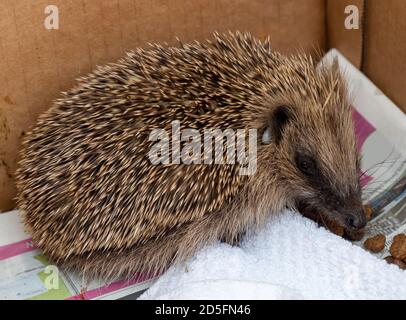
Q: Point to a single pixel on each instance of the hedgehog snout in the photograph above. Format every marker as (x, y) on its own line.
(355, 219)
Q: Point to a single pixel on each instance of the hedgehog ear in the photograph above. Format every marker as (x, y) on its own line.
(273, 129)
(280, 118)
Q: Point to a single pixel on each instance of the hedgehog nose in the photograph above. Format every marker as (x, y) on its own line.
(357, 219)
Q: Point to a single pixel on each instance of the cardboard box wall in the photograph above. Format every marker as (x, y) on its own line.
(36, 63)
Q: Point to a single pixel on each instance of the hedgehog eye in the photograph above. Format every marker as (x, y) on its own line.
(306, 165)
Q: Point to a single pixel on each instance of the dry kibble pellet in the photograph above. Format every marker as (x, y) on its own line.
(368, 212)
(398, 247)
(375, 244)
(335, 228)
(393, 260)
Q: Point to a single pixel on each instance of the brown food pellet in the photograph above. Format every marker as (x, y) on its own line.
(398, 247)
(368, 211)
(393, 260)
(335, 228)
(376, 243)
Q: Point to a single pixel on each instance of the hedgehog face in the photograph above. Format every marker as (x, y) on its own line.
(331, 192)
(316, 155)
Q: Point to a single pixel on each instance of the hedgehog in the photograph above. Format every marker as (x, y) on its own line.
(96, 204)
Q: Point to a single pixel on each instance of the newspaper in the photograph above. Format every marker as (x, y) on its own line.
(25, 272)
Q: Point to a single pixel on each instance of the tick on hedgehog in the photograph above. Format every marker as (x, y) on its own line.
(93, 200)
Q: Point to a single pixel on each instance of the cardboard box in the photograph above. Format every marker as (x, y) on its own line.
(37, 63)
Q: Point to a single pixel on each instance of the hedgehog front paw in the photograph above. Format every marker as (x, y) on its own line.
(233, 240)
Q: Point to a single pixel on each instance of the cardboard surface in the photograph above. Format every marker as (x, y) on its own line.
(384, 60)
(36, 63)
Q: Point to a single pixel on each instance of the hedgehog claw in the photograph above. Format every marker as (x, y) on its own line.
(233, 241)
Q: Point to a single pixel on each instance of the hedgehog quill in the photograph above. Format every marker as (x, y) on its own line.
(94, 202)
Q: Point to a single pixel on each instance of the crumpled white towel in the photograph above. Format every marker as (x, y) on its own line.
(291, 258)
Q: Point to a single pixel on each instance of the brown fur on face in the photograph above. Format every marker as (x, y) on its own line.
(94, 202)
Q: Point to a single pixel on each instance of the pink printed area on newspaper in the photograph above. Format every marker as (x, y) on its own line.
(363, 129)
(115, 286)
(21, 247)
(16, 248)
